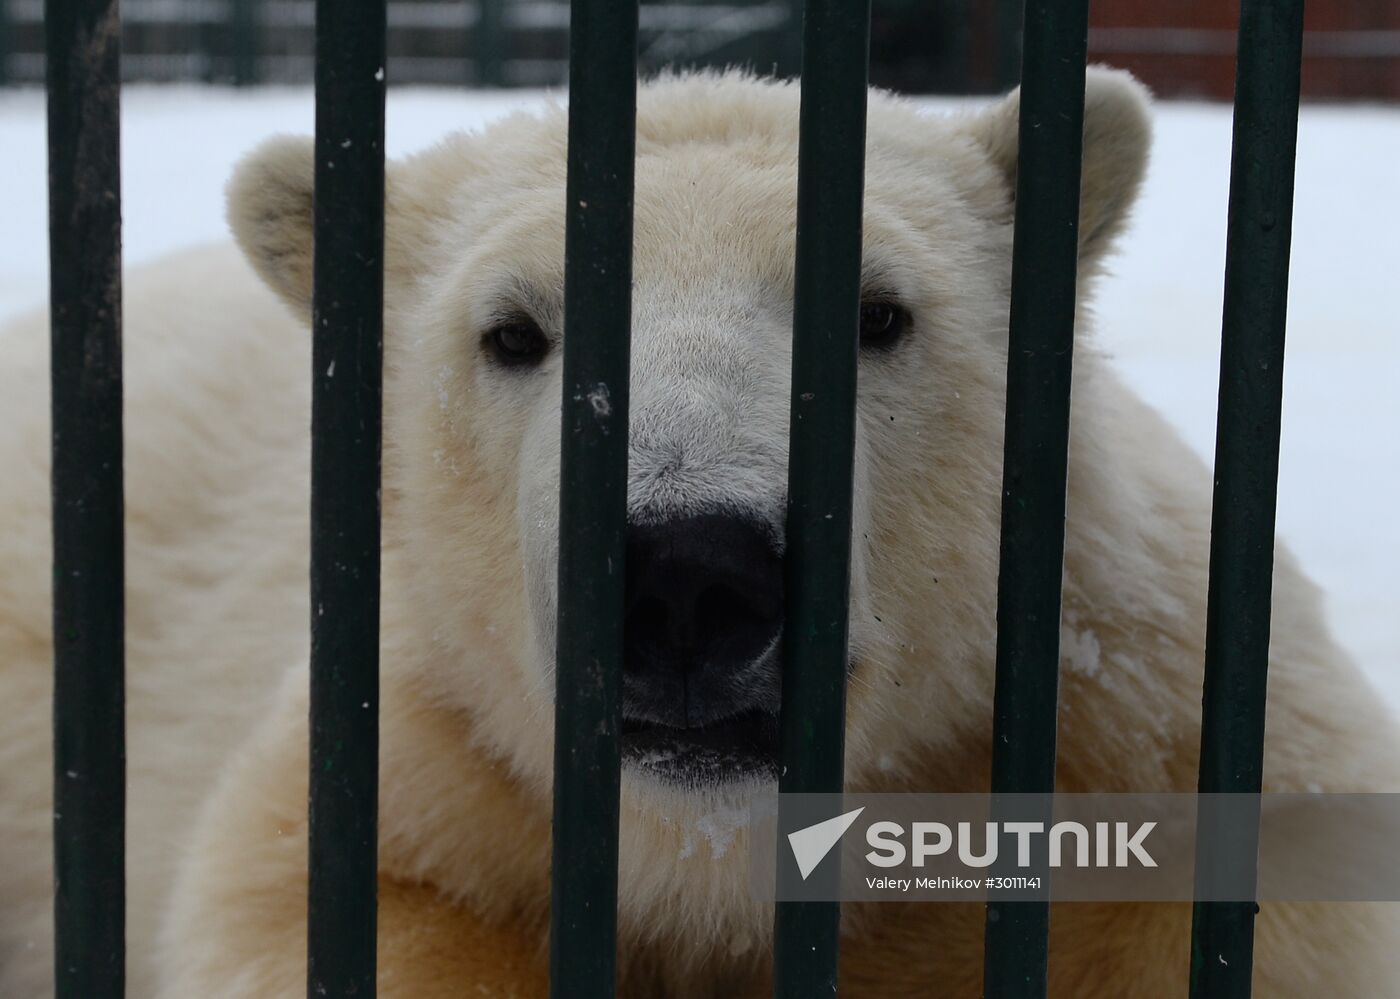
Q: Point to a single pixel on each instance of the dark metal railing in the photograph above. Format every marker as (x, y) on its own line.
(89, 739)
(825, 343)
(1038, 370)
(346, 402)
(83, 67)
(593, 495)
(1246, 471)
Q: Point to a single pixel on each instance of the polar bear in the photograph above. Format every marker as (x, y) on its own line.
(217, 482)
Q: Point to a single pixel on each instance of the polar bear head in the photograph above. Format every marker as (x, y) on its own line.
(474, 303)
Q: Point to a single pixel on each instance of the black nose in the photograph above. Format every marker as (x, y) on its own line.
(704, 609)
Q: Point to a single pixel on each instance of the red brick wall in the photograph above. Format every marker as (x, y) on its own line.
(1186, 48)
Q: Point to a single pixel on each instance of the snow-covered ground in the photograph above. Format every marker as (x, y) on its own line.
(1159, 311)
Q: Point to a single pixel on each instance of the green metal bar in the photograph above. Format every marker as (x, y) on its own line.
(346, 405)
(1009, 40)
(787, 52)
(243, 41)
(83, 44)
(1039, 356)
(960, 39)
(1246, 469)
(6, 40)
(593, 495)
(826, 320)
(490, 43)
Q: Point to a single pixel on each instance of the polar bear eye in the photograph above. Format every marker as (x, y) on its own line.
(882, 322)
(517, 340)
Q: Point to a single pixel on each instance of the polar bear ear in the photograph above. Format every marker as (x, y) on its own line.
(270, 213)
(1117, 137)
(269, 207)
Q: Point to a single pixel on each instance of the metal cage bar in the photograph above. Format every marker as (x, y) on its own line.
(346, 406)
(489, 41)
(1246, 471)
(6, 40)
(1039, 363)
(826, 323)
(244, 19)
(83, 41)
(593, 495)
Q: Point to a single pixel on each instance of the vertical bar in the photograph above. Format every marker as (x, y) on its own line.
(205, 43)
(1246, 467)
(958, 61)
(490, 51)
(1039, 359)
(788, 50)
(83, 48)
(1009, 40)
(826, 322)
(593, 495)
(6, 37)
(346, 404)
(243, 41)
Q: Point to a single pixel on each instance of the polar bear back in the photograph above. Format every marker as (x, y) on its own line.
(216, 417)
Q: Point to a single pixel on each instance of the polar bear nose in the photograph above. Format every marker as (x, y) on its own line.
(704, 610)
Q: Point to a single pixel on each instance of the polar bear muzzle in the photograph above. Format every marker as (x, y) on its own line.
(701, 669)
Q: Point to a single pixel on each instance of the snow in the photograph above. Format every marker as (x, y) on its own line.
(1159, 310)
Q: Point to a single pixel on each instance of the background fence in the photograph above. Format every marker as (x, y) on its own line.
(1351, 47)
